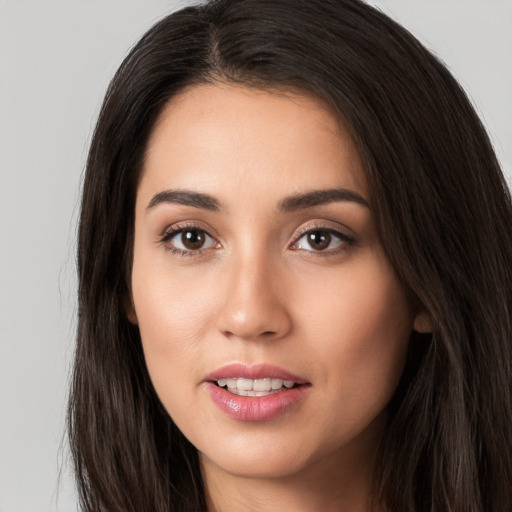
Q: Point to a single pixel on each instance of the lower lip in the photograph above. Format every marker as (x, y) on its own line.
(256, 408)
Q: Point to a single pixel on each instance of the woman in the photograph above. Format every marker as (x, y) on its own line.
(295, 278)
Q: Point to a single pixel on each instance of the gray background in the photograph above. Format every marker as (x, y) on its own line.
(56, 58)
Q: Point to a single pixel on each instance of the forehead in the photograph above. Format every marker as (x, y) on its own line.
(211, 136)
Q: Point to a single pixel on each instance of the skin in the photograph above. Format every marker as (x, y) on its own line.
(258, 292)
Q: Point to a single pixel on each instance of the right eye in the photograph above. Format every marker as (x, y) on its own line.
(188, 240)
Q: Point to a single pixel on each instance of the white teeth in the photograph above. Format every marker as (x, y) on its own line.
(244, 384)
(254, 387)
(262, 385)
(277, 383)
(258, 393)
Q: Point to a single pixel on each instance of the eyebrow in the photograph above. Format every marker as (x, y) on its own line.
(287, 205)
(320, 197)
(186, 198)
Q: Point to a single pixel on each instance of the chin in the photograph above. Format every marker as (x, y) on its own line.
(260, 468)
(259, 459)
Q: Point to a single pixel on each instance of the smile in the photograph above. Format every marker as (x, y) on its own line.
(255, 387)
(255, 393)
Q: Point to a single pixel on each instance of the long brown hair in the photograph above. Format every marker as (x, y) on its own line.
(444, 216)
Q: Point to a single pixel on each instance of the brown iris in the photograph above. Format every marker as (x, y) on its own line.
(193, 239)
(319, 240)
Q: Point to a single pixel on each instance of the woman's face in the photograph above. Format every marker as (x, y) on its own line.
(258, 271)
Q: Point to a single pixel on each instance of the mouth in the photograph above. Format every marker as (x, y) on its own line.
(254, 387)
(256, 393)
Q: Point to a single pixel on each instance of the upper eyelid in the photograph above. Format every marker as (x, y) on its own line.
(334, 227)
(177, 227)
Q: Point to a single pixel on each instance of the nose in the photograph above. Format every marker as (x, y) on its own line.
(253, 306)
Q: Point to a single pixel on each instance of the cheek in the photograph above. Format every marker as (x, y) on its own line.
(173, 313)
(169, 301)
(359, 326)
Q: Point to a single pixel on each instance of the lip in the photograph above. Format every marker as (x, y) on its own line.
(261, 408)
(258, 371)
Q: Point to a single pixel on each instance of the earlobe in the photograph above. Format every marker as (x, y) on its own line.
(423, 323)
(130, 311)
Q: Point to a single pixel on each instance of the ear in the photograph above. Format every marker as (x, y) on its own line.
(129, 308)
(423, 322)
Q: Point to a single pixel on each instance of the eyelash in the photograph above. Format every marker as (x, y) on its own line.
(176, 230)
(345, 241)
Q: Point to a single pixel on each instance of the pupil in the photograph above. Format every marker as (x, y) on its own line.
(193, 239)
(319, 240)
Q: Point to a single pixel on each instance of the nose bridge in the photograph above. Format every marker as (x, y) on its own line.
(253, 305)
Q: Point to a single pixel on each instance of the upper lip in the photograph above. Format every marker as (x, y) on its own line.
(257, 371)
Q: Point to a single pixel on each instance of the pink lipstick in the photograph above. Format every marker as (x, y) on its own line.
(255, 393)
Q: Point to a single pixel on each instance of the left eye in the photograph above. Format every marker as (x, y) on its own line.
(320, 240)
(188, 240)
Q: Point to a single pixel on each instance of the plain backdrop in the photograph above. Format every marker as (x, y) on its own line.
(56, 58)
